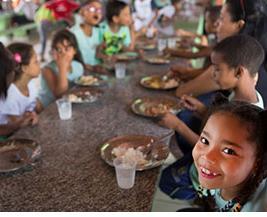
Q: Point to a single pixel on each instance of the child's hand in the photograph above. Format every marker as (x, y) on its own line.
(181, 33)
(29, 118)
(102, 46)
(34, 118)
(88, 68)
(23, 121)
(170, 74)
(143, 30)
(170, 121)
(167, 51)
(111, 59)
(193, 104)
(100, 69)
(182, 72)
(63, 58)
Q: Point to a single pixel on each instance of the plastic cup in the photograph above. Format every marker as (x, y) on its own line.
(64, 108)
(162, 43)
(125, 173)
(171, 43)
(120, 70)
(150, 33)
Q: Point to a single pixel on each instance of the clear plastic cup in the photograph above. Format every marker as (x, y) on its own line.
(171, 43)
(162, 44)
(120, 70)
(150, 33)
(125, 173)
(64, 108)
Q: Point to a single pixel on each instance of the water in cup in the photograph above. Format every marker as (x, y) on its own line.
(171, 43)
(162, 43)
(150, 32)
(64, 108)
(120, 70)
(125, 173)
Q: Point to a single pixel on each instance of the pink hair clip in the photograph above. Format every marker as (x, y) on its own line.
(17, 57)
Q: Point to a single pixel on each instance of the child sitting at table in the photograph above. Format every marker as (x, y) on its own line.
(230, 160)
(233, 71)
(18, 103)
(144, 15)
(234, 19)
(66, 66)
(8, 126)
(116, 33)
(236, 61)
(88, 33)
(207, 41)
(168, 12)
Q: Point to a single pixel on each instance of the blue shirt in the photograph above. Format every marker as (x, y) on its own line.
(257, 203)
(88, 44)
(45, 94)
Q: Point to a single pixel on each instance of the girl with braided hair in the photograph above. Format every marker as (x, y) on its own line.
(230, 158)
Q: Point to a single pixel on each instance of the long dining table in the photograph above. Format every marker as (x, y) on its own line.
(70, 175)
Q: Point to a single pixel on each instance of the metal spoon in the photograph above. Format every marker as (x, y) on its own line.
(152, 143)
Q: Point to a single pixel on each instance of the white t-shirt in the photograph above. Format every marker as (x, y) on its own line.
(88, 44)
(259, 103)
(16, 103)
(143, 10)
(27, 7)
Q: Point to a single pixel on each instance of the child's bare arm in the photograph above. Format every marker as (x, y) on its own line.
(15, 123)
(199, 46)
(184, 33)
(203, 83)
(39, 106)
(205, 52)
(99, 52)
(8, 129)
(171, 121)
(57, 84)
(186, 73)
(193, 104)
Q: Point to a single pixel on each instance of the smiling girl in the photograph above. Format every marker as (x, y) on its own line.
(229, 157)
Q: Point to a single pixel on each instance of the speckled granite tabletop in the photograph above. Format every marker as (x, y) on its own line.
(71, 176)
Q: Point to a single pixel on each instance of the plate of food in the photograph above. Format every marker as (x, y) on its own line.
(84, 95)
(18, 153)
(159, 82)
(157, 60)
(89, 80)
(148, 46)
(126, 56)
(135, 147)
(154, 107)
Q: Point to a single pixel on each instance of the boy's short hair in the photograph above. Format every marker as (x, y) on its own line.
(175, 1)
(114, 8)
(214, 12)
(241, 50)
